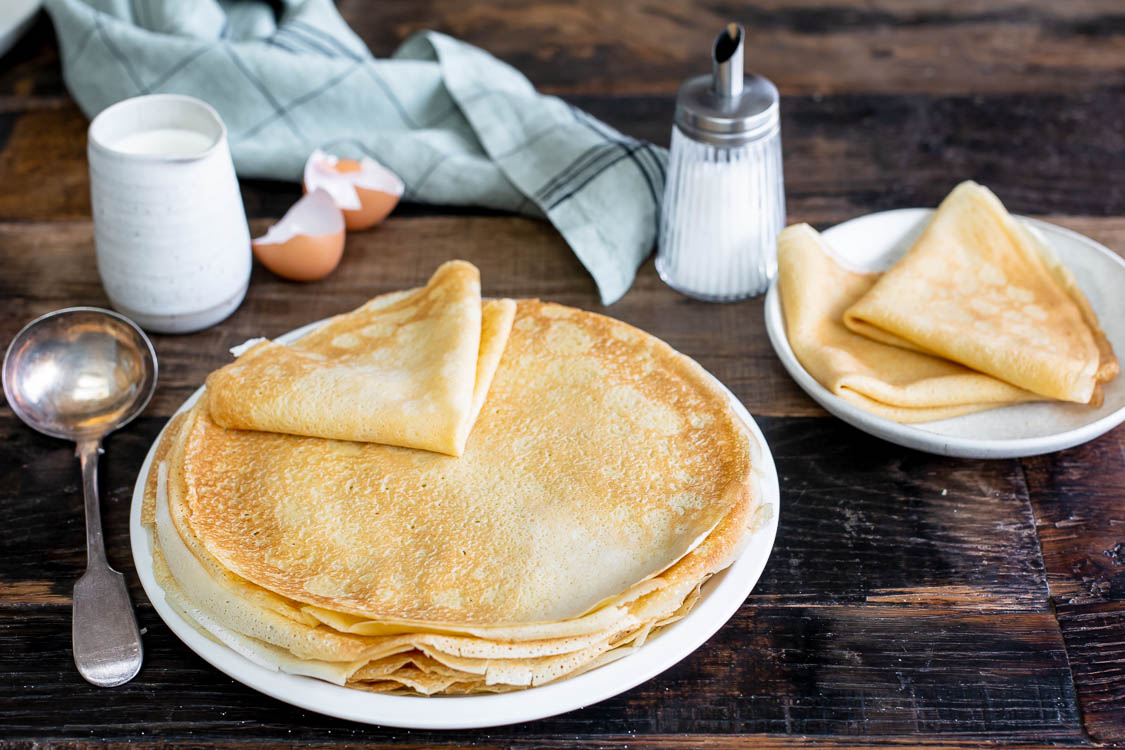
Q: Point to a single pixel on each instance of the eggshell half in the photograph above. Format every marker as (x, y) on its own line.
(307, 243)
(364, 189)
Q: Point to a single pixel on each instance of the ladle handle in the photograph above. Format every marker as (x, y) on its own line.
(107, 644)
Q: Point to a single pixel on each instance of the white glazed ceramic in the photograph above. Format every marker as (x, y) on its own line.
(874, 242)
(723, 594)
(172, 242)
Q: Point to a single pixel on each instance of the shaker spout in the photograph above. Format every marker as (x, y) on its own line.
(726, 79)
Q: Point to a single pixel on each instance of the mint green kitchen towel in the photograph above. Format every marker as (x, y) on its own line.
(457, 125)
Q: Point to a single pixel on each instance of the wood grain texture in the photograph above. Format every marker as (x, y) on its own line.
(830, 643)
(910, 599)
(863, 521)
(1081, 525)
(884, 46)
(52, 265)
(791, 671)
(1007, 95)
(1081, 519)
(843, 155)
(822, 47)
(570, 742)
(1095, 644)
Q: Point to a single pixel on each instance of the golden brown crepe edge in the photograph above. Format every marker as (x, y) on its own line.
(796, 243)
(228, 405)
(1043, 258)
(686, 369)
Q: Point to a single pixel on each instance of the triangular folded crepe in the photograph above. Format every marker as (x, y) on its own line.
(905, 386)
(409, 369)
(978, 288)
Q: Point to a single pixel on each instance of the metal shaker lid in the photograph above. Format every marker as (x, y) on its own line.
(727, 108)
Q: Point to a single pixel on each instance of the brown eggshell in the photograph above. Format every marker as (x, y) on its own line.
(368, 183)
(302, 258)
(375, 205)
(307, 243)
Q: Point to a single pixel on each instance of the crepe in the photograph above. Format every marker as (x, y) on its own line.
(600, 457)
(409, 369)
(979, 289)
(889, 381)
(389, 663)
(606, 479)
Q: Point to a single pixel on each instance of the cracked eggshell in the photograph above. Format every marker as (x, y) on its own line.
(307, 243)
(365, 190)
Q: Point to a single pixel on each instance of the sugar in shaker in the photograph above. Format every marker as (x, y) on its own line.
(724, 198)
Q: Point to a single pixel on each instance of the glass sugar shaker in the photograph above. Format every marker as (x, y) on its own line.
(724, 198)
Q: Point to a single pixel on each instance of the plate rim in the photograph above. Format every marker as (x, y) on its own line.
(913, 437)
(726, 591)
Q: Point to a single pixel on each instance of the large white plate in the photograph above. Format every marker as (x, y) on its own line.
(722, 596)
(874, 242)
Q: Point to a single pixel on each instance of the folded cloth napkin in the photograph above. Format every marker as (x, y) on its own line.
(459, 126)
(899, 384)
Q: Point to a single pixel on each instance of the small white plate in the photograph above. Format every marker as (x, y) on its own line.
(723, 594)
(874, 242)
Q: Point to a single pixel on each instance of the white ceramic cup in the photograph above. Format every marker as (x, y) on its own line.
(173, 247)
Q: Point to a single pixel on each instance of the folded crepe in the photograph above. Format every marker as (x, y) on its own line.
(410, 369)
(607, 478)
(980, 289)
(892, 382)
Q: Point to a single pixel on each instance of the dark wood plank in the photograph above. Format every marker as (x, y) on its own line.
(890, 612)
(889, 607)
(572, 742)
(886, 46)
(1095, 642)
(1079, 501)
(863, 521)
(43, 161)
(827, 671)
(31, 72)
(844, 155)
(50, 266)
(819, 47)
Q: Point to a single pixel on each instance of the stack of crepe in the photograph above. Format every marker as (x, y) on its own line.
(435, 495)
(977, 314)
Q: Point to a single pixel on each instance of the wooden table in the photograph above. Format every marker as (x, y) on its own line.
(909, 597)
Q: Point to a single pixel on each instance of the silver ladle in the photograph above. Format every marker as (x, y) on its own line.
(79, 374)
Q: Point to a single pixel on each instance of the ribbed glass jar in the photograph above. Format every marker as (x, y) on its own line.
(723, 208)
